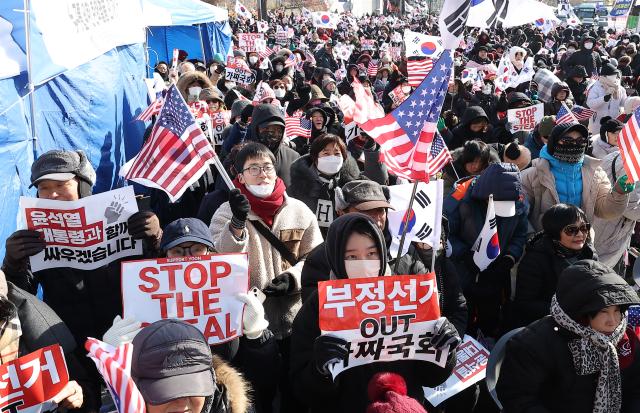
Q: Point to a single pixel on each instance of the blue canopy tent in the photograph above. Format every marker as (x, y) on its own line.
(198, 28)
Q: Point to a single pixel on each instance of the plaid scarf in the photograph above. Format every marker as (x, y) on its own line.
(10, 339)
(595, 352)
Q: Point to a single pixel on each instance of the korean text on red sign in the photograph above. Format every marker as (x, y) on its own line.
(30, 382)
(382, 319)
(84, 234)
(198, 290)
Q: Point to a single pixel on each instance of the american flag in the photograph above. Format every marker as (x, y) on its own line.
(151, 110)
(582, 113)
(406, 135)
(291, 61)
(418, 70)
(565, 115)
(629, 144)
(439, 155)
(297, 125)
(372, 69)
(265, 53)
(114, 364)
(176, 154)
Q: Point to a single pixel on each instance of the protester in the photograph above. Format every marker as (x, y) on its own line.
(606, 141)
(355, 246)
(474, 125)
(538, 137)
(582, 357)
(606, 97)
(469, 160)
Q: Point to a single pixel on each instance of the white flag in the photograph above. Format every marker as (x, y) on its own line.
(452, 20)
(418, 44)
(12, 57)
(324, 19)
(424, 221)
(263, 27)
(487, 246)
(242, 11)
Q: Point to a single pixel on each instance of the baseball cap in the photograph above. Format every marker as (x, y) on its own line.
(171, 359)
(364, 195)
(185, 230)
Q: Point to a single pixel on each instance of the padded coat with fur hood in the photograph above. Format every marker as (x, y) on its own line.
(234, 395)
(192, 79)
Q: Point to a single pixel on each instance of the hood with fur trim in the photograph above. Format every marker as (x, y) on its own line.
(234, 390)
(193, 79)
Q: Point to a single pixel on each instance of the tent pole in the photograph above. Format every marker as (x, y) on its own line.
(204, 57)
(30, 85)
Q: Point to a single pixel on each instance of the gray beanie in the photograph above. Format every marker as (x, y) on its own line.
(62, 166)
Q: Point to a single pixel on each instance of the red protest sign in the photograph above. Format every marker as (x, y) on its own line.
(199, 290)
(65, 228)
(33, 380)
(382, 318)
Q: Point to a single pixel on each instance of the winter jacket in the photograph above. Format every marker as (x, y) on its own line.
(455, 170)
(324, 59)
(578, 90)
(489, 103)
(232, 395)
(567, 177)
(296, 226)
(537, 277)
(236, 135)
(598, 199)
(595, 100)
(538, 373)
(600, 148)
(583, 57)
(41, 327)
(612, 236)
(534, 143)
(461, 133)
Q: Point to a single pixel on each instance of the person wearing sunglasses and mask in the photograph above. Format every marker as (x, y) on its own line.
(355, 248)
(581, 358)
(565, 239)
(564, 174)
(276, 230)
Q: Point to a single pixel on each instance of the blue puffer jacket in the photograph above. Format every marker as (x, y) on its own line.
(568, 177)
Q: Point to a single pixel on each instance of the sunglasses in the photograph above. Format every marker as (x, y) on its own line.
(568, 139)
(573, 229)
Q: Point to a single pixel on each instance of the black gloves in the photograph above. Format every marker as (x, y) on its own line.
(329, 350)
(23, 244)
(470, 264)
(446, 336)
(144, 225)
(607, 98)
(281, 285)
(240, 207)
(502, 265)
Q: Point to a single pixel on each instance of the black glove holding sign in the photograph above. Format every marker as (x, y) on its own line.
(328, 350)
(282, 284)
(446, 336)
(21, 245)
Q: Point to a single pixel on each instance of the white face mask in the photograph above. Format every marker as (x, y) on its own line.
(406, 89)
(362, 268)
(486, 90)
(261, 191)
(279, 93)
(194, 91)
(289, 86)
(279, 68)
(588, 46)
(253, 60)
(571, 50)
(230, 85)
(330, 165)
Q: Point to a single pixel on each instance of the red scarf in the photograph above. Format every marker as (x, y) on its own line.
(265, 208)
(627, 348)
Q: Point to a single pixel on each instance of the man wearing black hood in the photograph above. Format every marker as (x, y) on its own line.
(267, 127)
(313, 353)
(473, 126)
(586, 57)
(502, 131)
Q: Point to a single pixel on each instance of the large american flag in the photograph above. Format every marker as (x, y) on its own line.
(629, 144)
(297, 125)
(418, 70)
(406, 135)
(114, 364)
(565, 115)
(176, 154)
(152, 110)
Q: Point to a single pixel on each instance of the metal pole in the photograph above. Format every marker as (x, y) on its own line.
(204, 57)
(30, 85)
(404, 228)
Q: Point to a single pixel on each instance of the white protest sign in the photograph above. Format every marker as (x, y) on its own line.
(368, 44)
(471, 367)
(382, 319)
(83, 234)
(251, 42)
(281, 37)
(198, 290)
(239, 75)
(525, 119)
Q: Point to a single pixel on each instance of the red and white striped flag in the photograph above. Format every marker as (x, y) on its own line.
(297, 125)
(418, 70)
(372, 69)
(265, 53)
(629, 144)
(176, 154)
(151, 110)
(291, 61)
(565, 115)
(439, 155)
(114, 364)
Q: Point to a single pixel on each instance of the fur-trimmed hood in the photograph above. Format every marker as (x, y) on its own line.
(233, 387)
(190, 79)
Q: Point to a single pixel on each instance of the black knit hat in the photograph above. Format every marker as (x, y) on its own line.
(560, 130)
(609, 124)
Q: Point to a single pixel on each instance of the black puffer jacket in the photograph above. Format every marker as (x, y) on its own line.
(538, 274)
(538, 374)
(461, 133)
(349, 392)
(590, 59)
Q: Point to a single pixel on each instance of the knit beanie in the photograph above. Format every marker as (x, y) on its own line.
(609, 124)
(388, 394)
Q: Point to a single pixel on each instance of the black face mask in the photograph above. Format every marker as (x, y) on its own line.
(572, 151)
(271, 140)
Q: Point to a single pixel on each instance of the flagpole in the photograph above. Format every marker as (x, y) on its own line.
(435, 247)
(30, 85)
(404, 227)
(223, 172)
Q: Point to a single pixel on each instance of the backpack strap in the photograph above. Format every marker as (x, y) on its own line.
(275, 242)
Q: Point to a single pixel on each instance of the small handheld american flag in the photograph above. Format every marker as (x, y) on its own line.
(418, 70)
(372, 69)
(629, 144)
(151, 110)
(565, 115)
(582, 113)
(297, 125)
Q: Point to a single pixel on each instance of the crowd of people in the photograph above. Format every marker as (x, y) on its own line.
(314, 208)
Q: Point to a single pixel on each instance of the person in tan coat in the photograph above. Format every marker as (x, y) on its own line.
(563, 173)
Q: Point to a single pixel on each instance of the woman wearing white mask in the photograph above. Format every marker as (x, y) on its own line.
(606, 97)
(315, 176)
(355, 248)
(191, 84)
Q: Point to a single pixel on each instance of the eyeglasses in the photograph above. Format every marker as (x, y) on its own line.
(190, 251)
(573, 229)
(268, 169)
